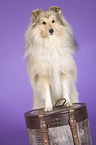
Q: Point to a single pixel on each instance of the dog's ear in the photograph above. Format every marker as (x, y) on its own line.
(56, 9)
(35, 13)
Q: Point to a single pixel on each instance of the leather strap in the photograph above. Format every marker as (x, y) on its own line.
(43, 127)
(73, 126)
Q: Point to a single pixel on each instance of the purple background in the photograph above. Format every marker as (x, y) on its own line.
(15, 88)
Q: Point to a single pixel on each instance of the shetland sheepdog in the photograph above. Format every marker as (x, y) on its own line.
(52, 71)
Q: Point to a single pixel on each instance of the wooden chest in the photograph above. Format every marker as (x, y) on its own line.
(58, 126)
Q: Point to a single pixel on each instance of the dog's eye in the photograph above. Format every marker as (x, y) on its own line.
(44, 23)
(53, 21)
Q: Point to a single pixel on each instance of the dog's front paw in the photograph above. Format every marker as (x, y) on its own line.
(48, 108)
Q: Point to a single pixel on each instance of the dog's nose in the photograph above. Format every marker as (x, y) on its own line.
(51, 31)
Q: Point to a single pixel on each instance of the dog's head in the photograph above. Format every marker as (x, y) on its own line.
(49, 26)
(49, 22)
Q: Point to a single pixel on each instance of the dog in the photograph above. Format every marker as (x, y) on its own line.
(52, 71)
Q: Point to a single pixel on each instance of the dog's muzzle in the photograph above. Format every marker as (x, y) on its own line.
(51, 31)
